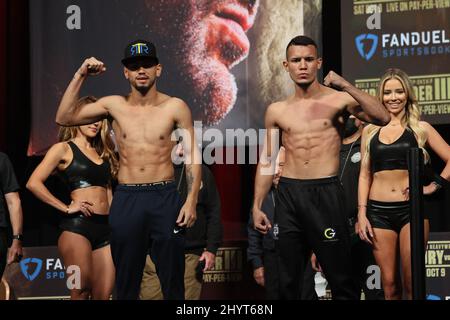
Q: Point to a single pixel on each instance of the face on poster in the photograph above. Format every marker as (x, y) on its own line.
(223, 57)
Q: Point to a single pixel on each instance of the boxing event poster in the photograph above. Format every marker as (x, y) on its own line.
(411, 35)
(437, 264)
(223, 57)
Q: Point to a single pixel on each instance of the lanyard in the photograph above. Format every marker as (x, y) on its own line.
(346, 159)
(181, 179)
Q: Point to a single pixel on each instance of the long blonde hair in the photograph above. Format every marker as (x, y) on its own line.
(411, 118)
(102, 142)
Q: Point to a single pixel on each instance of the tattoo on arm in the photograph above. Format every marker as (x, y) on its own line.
(189, 179)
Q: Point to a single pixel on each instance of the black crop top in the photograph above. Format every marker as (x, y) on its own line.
(83, 173)
(391, 156)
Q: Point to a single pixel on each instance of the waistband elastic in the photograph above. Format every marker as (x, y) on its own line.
(151, 184)
(387, 204)
(145, 186)
(95, 217)
(317, 181)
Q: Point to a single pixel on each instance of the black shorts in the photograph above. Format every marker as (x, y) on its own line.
(388, 215)
(94, 228)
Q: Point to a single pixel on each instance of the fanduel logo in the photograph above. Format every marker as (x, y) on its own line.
(406, 39)
(24, 265)
(361, 42)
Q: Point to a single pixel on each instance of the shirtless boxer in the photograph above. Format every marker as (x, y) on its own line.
(309, 214)
(146, 208)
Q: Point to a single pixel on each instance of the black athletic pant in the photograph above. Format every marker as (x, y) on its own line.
(362, 259)
(271, 280)
(310, 215)
(271, 274)
(143, 217)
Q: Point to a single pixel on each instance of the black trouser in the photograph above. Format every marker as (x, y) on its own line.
(309, 285)
(271, 278)
(310, 215)
(143, 217)
(362, 261)
(271, 274)
(3, 250)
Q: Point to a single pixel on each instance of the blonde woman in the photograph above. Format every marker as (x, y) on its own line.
(383, 193)
(86, 161)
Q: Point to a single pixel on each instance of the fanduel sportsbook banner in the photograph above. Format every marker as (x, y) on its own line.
(411, 35)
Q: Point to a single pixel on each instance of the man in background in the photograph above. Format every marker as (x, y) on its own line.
(9, 203)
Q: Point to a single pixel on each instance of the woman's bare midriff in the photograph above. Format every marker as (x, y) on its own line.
(98, 196)
(390, 186)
